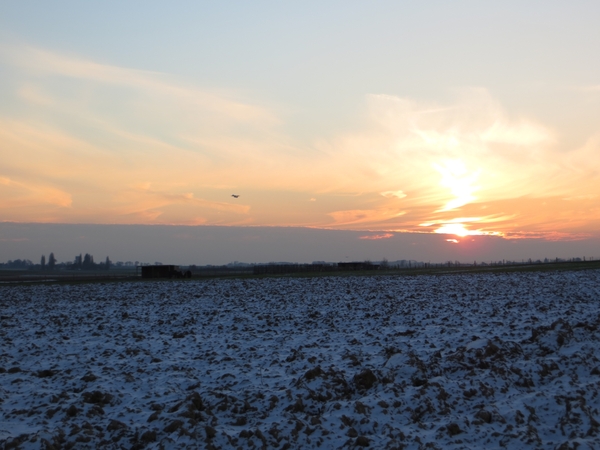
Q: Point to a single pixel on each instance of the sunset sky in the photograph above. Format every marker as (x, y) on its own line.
(461, 118)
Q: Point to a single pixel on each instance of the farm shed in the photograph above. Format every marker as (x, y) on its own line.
(165, 271)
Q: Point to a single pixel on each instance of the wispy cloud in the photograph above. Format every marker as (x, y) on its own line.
(15, 193)
(393, 194)
(48, 62)
(122, 145)
(376, 237)
(358, 216)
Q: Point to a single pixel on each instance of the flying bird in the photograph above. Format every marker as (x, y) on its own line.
(235, 195)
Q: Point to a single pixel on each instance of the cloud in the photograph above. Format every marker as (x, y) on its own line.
(459, 181)
(359, 216)
(588, 88)
(130, 126)
(120, 145)
(47, 62)
(465, 155)
(375, 237)
(167, 198)
(15, 193)
(548, 235)
(406, 143)
(393, 194)
(32, 94)
(520, 133)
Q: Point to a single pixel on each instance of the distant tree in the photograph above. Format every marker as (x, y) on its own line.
(51, 261)
(19, 264)
(88, 262)
(43, 262)
(384, 264)
(107, 263)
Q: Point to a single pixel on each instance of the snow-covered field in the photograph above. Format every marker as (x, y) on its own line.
(452, 361)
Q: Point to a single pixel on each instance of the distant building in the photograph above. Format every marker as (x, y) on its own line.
(162, 271)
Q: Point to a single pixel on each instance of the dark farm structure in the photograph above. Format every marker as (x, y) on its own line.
(164, 271)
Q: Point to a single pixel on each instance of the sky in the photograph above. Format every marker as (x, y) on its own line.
(446, 121)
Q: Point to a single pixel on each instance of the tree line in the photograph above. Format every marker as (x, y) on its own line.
(87, 263)
(80, 262)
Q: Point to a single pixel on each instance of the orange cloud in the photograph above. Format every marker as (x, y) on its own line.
(164, 151)
(44, 61)
(376, 237)
(358, 216)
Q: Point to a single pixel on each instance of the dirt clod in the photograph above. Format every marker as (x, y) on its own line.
(362, 441)
(365, 379)
(453, 429)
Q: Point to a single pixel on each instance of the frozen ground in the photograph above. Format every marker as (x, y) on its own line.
(457, 361)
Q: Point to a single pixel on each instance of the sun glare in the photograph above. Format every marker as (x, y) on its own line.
(458, 229)
(461, 183)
